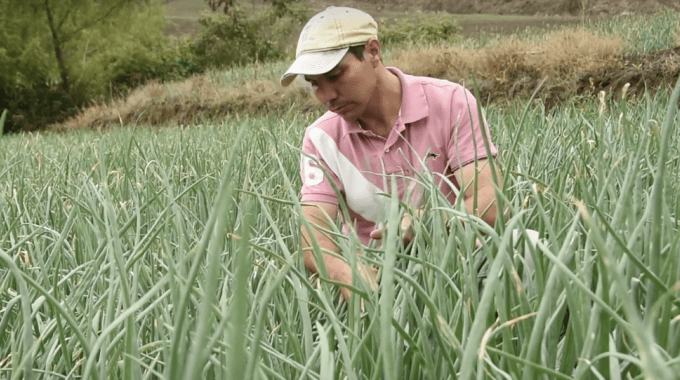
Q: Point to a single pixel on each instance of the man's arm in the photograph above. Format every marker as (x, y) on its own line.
(322, 215)
(483, 186)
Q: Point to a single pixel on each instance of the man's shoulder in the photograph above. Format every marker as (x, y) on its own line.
(436, 91)
(434, 83)
(444, 91)
(437, 96)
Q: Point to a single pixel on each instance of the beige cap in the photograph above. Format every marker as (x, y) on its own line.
(326, 38)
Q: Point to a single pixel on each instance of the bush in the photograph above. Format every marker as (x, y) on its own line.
(227, 39)
(33, 107)
(237, 38)
(422, 28)
(134, 51)
(165, 59)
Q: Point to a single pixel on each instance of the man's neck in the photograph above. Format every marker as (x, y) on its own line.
(383, 110)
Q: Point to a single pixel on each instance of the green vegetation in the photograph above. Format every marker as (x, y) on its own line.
(2, 121)
(238, 37)
(168, 253)
(58, 55)
(643, 34)
(639, 33)
(424, 28)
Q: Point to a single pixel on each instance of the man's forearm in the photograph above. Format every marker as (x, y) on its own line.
(485, 206)
(477, 184)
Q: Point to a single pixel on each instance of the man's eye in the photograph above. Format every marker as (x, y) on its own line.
(332, 76)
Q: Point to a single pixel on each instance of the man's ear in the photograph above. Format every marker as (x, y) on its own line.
(373, 51)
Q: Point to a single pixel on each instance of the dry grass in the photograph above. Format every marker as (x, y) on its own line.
(185, 101)
(514, 68)
(560, 56)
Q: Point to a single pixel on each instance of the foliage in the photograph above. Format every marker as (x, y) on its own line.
(240, 37)
(50, 72)
(230, 39)
(506, 67)
(33, 107)
(422, 28)
(130, 63)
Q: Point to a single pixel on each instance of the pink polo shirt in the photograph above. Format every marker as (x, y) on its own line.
(435, 129)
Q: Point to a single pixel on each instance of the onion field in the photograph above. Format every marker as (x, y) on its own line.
(174, 253)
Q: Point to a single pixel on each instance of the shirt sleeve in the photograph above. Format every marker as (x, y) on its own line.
(466, 143)
(317, 179)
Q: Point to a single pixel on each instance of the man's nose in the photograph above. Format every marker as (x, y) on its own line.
(325, 93)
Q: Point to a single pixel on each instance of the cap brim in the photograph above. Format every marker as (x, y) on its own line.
(313, 63)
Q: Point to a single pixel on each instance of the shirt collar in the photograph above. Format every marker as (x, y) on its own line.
(413, 102)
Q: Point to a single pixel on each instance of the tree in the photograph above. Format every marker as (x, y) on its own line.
(52, 52)
(66, 19)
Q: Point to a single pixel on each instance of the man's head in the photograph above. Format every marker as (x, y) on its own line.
(326, 38)
(339, 54)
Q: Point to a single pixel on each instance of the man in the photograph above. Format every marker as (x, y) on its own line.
(381, 123)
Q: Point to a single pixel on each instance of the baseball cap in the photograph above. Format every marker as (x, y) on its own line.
(326, 38)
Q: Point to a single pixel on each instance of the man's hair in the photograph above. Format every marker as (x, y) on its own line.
(358, 51)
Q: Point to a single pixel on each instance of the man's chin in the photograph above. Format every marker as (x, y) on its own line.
(348, 114)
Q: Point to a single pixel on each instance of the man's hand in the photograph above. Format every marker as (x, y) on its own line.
(369, 275)
(406, 227)
(476, 182)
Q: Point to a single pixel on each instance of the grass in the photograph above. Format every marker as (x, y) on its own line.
(643, 34)
(164, 253)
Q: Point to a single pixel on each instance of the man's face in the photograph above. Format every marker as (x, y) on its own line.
(348, 88)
